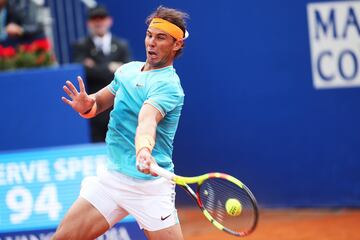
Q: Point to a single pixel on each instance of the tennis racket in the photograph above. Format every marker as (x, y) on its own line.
(224, 200)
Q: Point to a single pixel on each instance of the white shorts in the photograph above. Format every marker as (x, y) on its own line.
(150, 202)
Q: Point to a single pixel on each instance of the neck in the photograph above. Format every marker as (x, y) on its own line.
(149, 67)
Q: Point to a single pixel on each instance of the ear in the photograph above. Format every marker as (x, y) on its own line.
(178, 45)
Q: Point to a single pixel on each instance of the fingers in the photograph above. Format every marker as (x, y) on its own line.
(72, 88)
(67, 101)
(81, 84)
(143, 165)
(68, 92)
(143, 162)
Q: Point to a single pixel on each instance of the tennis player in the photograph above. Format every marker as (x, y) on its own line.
(147, 98)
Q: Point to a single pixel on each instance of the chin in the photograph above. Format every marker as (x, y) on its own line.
(153, 63)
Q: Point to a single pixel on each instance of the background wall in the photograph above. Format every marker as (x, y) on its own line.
(33, 114)
(250, 106)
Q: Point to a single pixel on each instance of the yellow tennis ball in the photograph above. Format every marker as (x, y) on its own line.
(233, 207)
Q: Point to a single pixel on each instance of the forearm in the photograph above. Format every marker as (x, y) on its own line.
(145, 137)
(149, 118)
(104, 99)
(146, 127)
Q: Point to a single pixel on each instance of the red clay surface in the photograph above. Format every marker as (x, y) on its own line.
(293, 224)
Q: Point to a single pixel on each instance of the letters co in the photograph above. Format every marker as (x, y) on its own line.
(334, 32)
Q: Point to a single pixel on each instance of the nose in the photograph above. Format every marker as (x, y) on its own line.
(152, 41)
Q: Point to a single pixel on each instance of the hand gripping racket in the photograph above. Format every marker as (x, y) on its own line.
(225, 201)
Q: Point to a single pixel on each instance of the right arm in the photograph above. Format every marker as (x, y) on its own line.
(82, 103)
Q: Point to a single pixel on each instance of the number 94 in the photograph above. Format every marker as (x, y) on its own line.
(20, 201)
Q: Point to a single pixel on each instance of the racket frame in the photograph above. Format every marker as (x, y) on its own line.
(184, 181)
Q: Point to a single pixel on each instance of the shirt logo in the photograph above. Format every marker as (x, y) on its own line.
(139, 85)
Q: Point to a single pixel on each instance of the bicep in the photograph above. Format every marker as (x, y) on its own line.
(165, 96)
(149, 113)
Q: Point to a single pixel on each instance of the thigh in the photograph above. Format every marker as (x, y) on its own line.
(171, 233)
(92, 214)
(83, 221)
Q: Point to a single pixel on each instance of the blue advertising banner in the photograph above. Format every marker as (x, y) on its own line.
(38, 187)
(126, 230)
(23, 125)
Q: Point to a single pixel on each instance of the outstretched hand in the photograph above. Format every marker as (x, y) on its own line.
(80, 101)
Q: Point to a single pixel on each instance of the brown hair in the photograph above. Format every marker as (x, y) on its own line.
(172, 15)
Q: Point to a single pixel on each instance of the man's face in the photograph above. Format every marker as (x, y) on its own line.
(160, 47)
(99, 26)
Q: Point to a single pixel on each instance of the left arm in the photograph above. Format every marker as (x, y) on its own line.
(148, 119)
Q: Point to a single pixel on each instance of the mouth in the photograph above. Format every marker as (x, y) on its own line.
(152, 54)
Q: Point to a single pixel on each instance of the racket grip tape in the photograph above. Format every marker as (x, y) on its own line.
(162, 172)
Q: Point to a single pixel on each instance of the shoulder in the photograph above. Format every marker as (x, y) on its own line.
(129, 67)
(167, 76)
(170, 84)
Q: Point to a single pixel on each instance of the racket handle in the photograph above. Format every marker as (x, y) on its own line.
(162, 172)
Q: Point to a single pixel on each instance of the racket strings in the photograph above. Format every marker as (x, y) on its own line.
(215, 192)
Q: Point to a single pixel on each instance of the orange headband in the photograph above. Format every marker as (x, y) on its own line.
(167, 27)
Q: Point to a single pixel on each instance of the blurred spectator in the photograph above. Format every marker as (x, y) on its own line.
(101, 53)
(18, 25)
(23, 43)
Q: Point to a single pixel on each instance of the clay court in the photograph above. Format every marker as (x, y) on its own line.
(292, 224)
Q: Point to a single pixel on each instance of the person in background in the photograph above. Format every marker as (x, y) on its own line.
(101, 53)
(17, 26)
